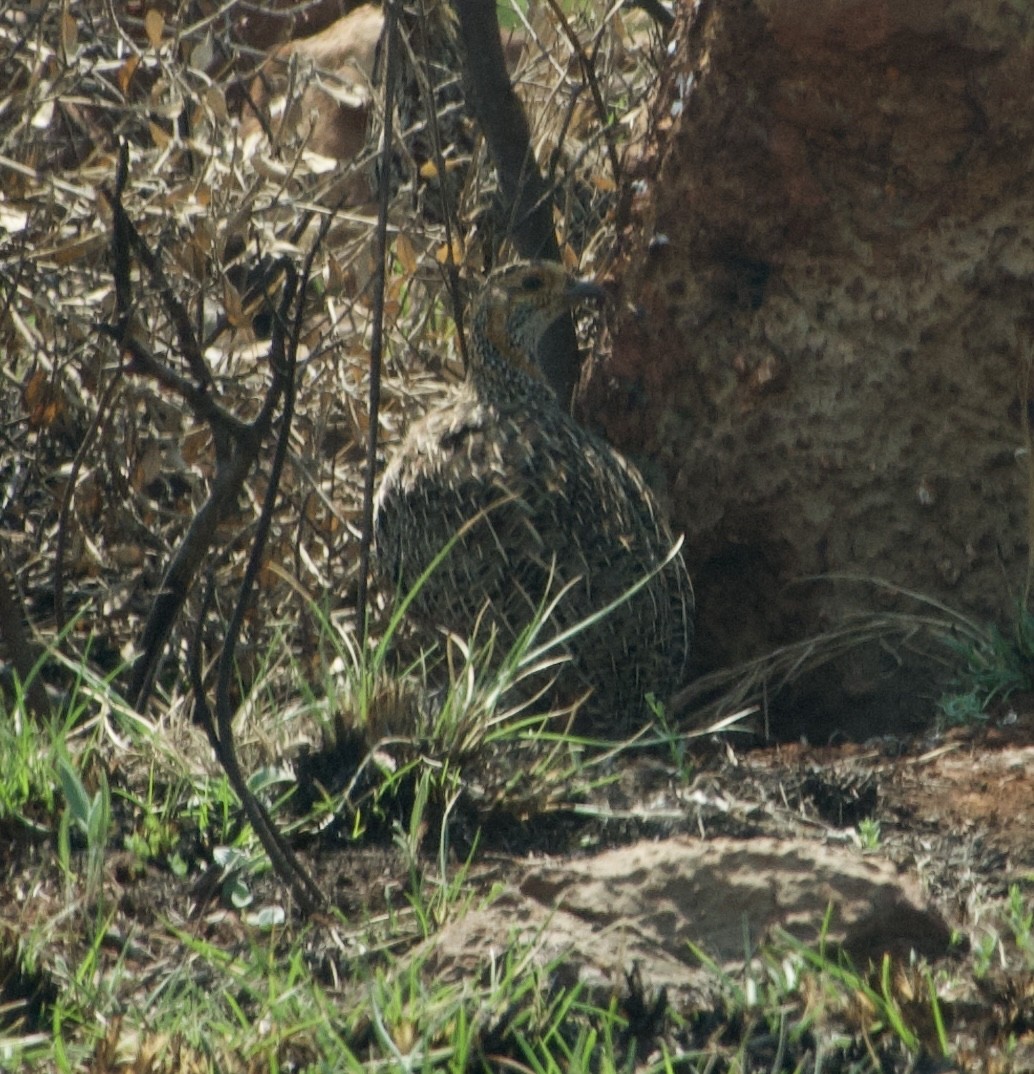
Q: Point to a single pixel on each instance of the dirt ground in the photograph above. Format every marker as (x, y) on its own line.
(954, 809)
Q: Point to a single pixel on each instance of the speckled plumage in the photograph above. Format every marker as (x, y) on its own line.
(560, 504)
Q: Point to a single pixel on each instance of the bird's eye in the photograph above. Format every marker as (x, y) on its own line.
(532, 283)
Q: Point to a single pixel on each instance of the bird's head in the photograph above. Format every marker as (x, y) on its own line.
(514, 309)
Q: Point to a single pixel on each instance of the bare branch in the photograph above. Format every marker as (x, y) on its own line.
(284, 861)
(126, 236)
(391, 39)
(179, 577)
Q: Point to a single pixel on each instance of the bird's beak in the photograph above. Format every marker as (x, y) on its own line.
(584, 291)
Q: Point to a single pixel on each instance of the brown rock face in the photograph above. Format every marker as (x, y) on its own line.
(823, 339)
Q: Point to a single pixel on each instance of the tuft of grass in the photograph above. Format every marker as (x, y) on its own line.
(994, 664)
(28, 752)
(869, 834)
(985, 662)
(464, 722)
(90, 816)
(1007, 942)
(795, 1001)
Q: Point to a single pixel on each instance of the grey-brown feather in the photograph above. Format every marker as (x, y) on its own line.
(558, 504)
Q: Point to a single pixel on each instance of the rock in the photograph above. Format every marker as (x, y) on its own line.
(647, 903)
(821, 344)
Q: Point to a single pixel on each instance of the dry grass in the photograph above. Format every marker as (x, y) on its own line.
(103, 469)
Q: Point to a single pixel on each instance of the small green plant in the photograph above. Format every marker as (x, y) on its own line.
(157, 821)
(90, 816)
(963, 708)
(1020, 918)
(675, 742)
(27, 787)
(994, 665)
(809, 999)
(1007, 939)
(985, 950)
(869, 833)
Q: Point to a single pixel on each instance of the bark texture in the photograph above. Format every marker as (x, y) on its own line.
(823, 341)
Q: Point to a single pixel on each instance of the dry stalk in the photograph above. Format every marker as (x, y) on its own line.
(761, 678)
(376, 344)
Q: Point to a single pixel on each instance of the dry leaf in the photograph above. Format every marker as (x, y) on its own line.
(69, 34)
(88, 498)
(442, 253)
(335, 275)
(429, 170)
(195, 445)
(154, 24)
(268, 168)
(161, 138)
(43, 401)
(147, 467)
(233, 305)
(272, 569)
(406, 254)
(216, 101)
(127, 555)
(43, 115)
(204, 237)
(75, 251)
(126, 72)
(11, 219)
(203, 53)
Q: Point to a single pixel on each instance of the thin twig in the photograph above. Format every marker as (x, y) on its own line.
(180, 574)
(287, 866)
(202, 710)
(377, 337)
(66, 500)
(656, 10)
(447, 202)
(187, 339)
(589, 74)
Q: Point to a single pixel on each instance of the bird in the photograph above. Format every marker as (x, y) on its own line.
(539, 509)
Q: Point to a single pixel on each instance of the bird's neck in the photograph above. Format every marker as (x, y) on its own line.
(501, 366)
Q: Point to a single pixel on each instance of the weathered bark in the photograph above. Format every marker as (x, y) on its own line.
(827, 304)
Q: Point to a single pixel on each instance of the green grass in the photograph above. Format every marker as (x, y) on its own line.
(252, 992)
(247, 986)
(993, 664)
